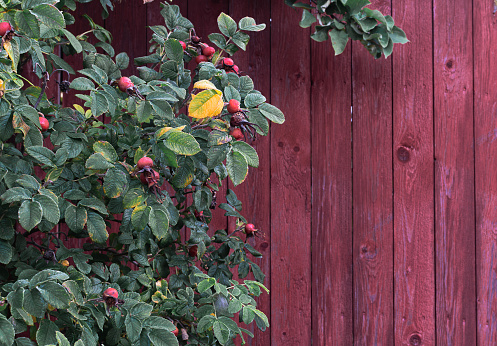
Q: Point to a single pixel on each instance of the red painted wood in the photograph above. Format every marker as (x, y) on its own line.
(414, 261)
(255, 191)
(454, 173)
(290, 180)
(485, 83)
(372, 196)
(332, 287)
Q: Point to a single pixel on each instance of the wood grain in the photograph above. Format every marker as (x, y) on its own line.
(290, 180)
(372, 196)
(255, 192)
(332, 287)
(414, 261)
(485, 84)
(454, 173)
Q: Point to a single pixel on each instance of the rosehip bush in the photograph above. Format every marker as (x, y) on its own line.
(144, 155)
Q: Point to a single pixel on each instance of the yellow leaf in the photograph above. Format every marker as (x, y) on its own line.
(206, 104)
(19, 124)
(204, 84)
(163, 130)
(79, 108)
(8, 47)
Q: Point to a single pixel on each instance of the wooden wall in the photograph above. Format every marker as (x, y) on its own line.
(378, 196)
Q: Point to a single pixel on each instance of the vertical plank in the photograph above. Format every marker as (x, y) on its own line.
(485, 83)
(454, 173)
(255, 191)
(127, 24)
(203, 14)
(414, 264)
(332, 287)
(372, 196)
(290, 180)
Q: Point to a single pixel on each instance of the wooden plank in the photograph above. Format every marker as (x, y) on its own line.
(290, 180)
(255, 191)
(332, 287)
(485, 84)
(203, 14)
(372, 196)
(454, 173)
(414, 262)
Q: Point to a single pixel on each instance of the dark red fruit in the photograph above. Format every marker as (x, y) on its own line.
(175, 332)
(235, 69)
(250, 228)
(145, 161)
(233, 106)
(110, 292)
(144, 175)
(237, 133)
(5, 27)
(201, 58)
(44, 124)
(124, 83)
(193, 251)
(208, 51)
(228, 62)
(183, 44)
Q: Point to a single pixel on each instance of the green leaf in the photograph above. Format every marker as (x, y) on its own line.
(33, 3)
(156, 322)
(248, 24)
(221, 332)
(272, 113)
(133, 198)
(241, 39)
(50, 209)
(95, 204)
(73, 40)
(106, 149)
(141, 311)
(82, 83)
(218, 39)
(55, 294)
(140, 217)
(28, 181)
(7, 333)
(46, 333)
(339, 39)
(76, 217)
(159, 223)
(30, 214)
(248, 152)
(34, 303)
(96, 227)
(98, 162)
(99, 104)
(28, 23)
(46, 276)
(204, 285)
(226, 25)
(122, 61)
(355, 5)
(307, 19)
(61, 63)
(115, 183)
(42, 154)
(234, 306)
(15, 194)
(173, 50)
(50, 16)
(5, 252)
(181, 143)
(160, 337)
(398, 35)
(252, 100)
(184, 174)
(216, 155)
(237, 167)
(61, 339)
(133, 328)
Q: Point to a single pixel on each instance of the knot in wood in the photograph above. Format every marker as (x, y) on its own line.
(403, 154)
(368, 250)
(415, 340)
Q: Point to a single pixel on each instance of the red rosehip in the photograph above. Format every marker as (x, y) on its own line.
(124, 83)
(110, 292)
(237, 134)
(183, 44)
(5, 27)
(228, 62)
(44, 124)
(235, 69)
(143, 177)
(175, 332)
(208, 51)
(193, 251)
(233, 106)
(201, 58)
(145, 161)
(249, 228)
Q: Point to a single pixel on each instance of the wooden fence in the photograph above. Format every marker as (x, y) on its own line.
(378, 196)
